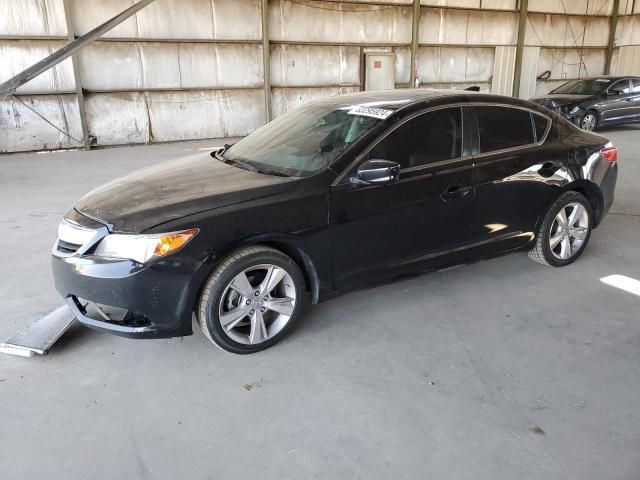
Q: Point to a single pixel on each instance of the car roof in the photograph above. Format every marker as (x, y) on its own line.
(400, 98)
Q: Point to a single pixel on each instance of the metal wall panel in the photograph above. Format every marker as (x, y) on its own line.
(117, 118)
(455, 64)
(23, 130)
(16, 55)
(205, 114)
(495, 4)
(291, 64)
(440, 26)
(627, 61)
(32, 17)
(318, 21)
(505, 60)
(565, 64)
(528, 74)
(574, 7)
(286, 99)
(170, 65)
(564, 31)
(628, 31)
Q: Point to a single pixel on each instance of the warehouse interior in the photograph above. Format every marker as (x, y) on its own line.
(496, 370)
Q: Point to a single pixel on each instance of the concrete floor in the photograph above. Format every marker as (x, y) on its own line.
(500, 370)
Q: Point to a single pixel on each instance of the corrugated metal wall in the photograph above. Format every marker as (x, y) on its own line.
(188, 69)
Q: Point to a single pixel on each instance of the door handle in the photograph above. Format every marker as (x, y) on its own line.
(455, 191)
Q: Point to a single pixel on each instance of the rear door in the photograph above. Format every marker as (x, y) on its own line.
(514, 169)
(635, 100)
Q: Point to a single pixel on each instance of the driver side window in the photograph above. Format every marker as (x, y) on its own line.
(622, 86)
(430, 137)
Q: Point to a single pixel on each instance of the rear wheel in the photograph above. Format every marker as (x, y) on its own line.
(251, 300)
(589, 122)
(565, 231)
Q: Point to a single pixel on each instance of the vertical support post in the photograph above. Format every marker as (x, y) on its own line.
(415, 37)
(522, 29)
(266, 59)
(71, 33)
(613, 27)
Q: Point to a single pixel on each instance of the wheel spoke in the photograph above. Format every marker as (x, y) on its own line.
(575, 216)
(258, 332)
(562, 217)
(241, 285)
(281, 305)
(230, 319)
(579, 233)
(273, 277)
(565, 248)
(555, 240)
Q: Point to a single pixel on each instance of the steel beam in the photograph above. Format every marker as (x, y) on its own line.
(415, 40)
(69, 49)
(522, 29)
(266, 59)
(613, 27)
(71, 33)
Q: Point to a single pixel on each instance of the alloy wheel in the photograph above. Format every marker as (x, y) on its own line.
(589, 122)
(257, 304)
(569, 231)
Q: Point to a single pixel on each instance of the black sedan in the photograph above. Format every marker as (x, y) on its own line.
(594, 102)
(340, 193)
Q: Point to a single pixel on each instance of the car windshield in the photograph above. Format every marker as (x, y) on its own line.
(306, 140)
(584, 87)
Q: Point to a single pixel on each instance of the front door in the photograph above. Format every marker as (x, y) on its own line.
(379, 231)
(620, 103)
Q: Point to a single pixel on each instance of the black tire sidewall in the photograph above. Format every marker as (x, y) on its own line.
(212, 318)
(561, 202)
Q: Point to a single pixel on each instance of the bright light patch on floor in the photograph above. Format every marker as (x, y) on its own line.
(622, 282)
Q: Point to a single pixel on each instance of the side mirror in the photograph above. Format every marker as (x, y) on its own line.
(614, 93)
(376, 172)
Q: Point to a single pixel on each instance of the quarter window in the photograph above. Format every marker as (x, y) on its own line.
(430, 137)
(503, 127)
(540, 123)
(621, 86)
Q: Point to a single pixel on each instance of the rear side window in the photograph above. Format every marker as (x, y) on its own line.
(635, 85)
(540, 123)
(504, 127)
(430, 137)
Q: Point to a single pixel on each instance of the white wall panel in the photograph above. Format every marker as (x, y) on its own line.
(333, 22)
(117, 118)
(496, 4)
(17, 55)
(455, 64)
(23, 130)
(403, 65)
(111, 66)
(575, 7)
(626, 61)
(32, 17)
(205, 114)
(468, 27)
(559, 31)
(564, 63)
(503, 70)
(291, 65)
(286, 99)
(628, 31)
(88, 14)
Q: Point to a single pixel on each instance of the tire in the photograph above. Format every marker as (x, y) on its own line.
(252, 321)
(573, 240)
(589, 121)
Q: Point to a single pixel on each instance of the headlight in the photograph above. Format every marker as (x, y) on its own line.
(143, 248)
(574, 110)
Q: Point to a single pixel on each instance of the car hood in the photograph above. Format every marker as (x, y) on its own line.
(174, 189)
(560, 100)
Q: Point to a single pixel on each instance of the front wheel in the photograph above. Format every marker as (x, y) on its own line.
(251, 300)
(589, 122)
(565, 231)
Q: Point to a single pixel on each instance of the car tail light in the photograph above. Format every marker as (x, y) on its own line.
(609, 153)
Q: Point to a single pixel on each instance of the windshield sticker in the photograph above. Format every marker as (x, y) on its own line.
(380, 113)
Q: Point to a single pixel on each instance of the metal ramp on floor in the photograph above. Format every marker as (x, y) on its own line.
(39, 336)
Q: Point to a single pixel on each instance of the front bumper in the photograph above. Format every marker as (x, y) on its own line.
(158, 298)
